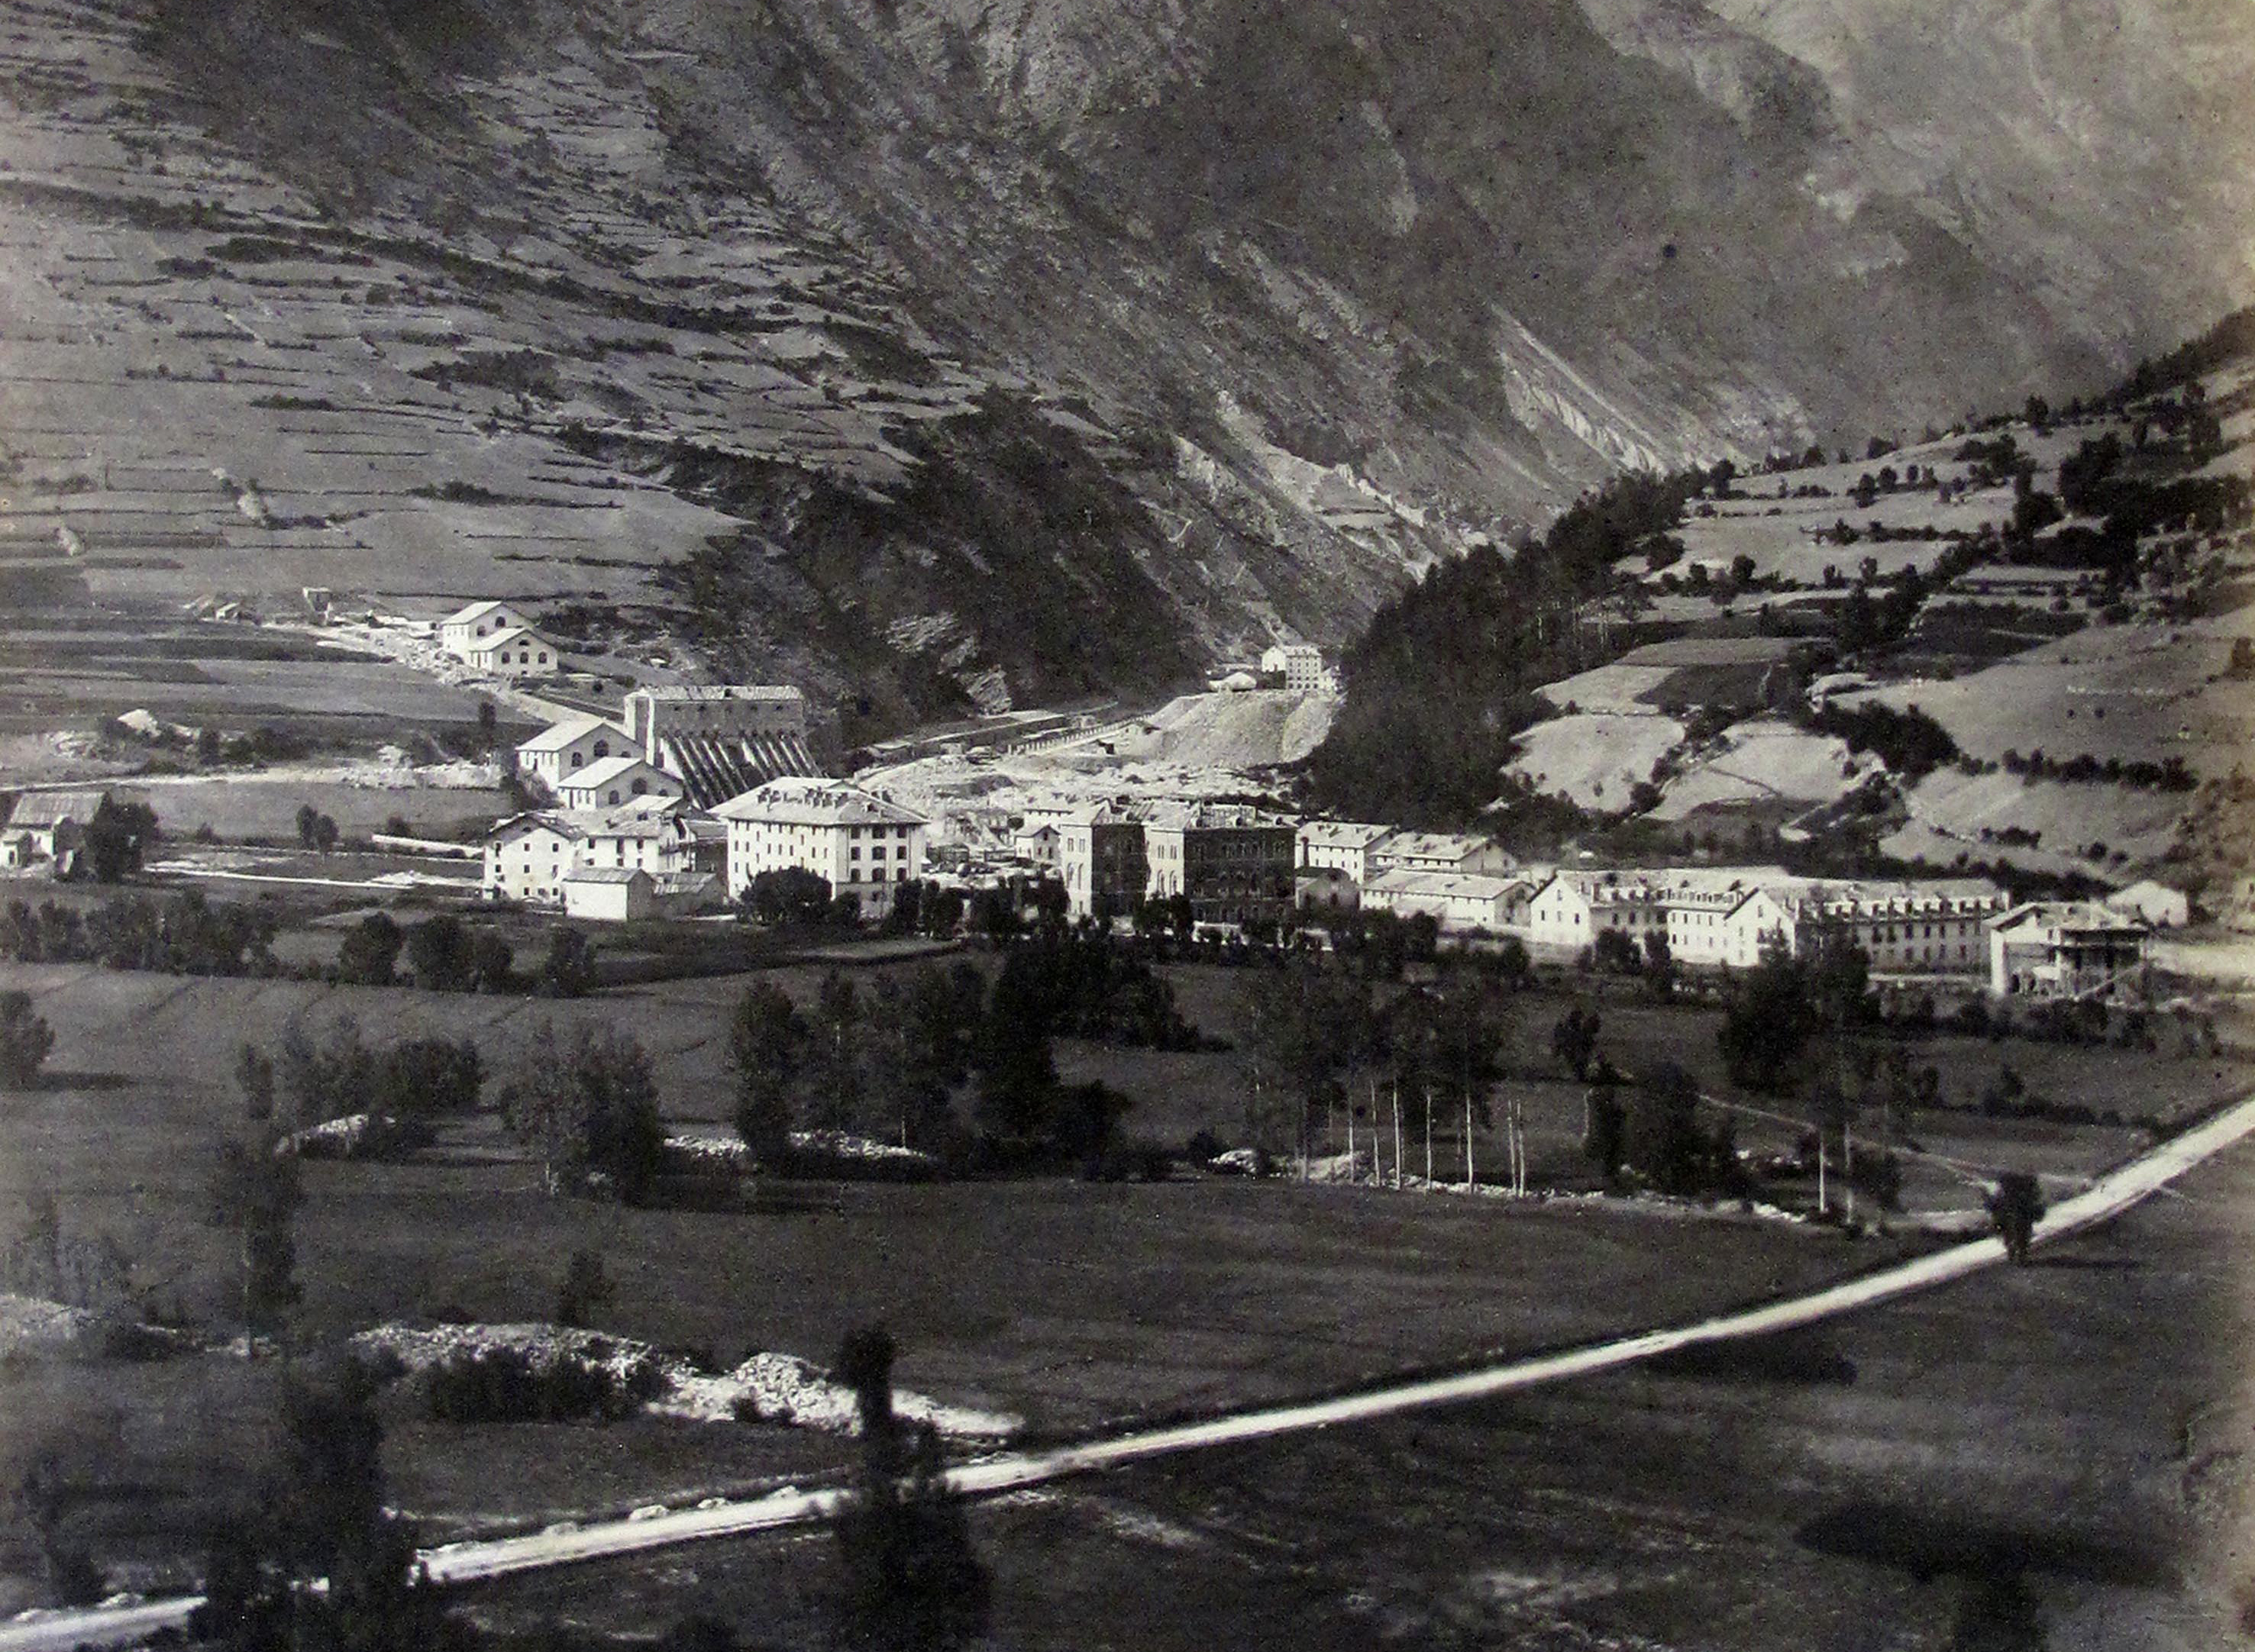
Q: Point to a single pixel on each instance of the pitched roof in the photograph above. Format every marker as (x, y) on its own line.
(801, 802)
(1464, 886)
(1432, 845)
(470, 615)
(603, 770)
(1343, 834)
(566, 823)
(52, 808)
(557, 736)
(504, 638)
(606, 875)
(1201, 816)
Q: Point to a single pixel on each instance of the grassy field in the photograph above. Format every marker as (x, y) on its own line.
(244, 807)
(1069, 1304)
(2047, 1457)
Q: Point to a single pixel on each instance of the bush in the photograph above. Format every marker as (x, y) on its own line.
(25, 1038)
(505, 1385)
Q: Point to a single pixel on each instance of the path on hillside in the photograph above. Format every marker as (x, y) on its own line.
(460, 1563)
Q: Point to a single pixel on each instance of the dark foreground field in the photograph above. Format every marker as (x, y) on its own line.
(2049, 1458)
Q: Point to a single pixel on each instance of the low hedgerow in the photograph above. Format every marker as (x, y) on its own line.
(507, 1385)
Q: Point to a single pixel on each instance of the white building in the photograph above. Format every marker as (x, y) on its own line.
(610, 782)
(1573, 909)
(2158, 904)
(1462, 902)
(1301, 665)
(516, 651)
(465, 629)
(1037, 845)
(564, 748)
(1341, 846)
(1933, 927)
(609, 895)
(665, 838)
(527, 855)
(1439, 852)
(862, 844)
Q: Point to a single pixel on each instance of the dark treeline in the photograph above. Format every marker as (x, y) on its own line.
(187, 935)
(1442, 681)
(2230, 339)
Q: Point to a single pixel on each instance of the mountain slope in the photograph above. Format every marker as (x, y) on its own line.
(933, 353)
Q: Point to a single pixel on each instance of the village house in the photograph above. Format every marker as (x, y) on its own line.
(2067, 950)
(1101, 861)
(1037, 845)
(1572, 909)
(50, 826)
(1463, 903)
(465, 629)
(862, 844)
(610, 782)
(1343, 845)
(1232, 862)
(1698, 927)
(1935, 926)
(665, 837)
(1438, 852)
(527, 855)
(566, 747)
(513, 654)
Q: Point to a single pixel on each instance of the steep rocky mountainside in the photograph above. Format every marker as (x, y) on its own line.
(935, 352)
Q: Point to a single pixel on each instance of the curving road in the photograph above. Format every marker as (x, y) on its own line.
(460, 1563)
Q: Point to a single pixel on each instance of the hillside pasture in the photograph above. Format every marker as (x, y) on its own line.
(1761, 762)
(1594, 759)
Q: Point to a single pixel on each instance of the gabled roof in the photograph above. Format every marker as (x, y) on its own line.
(606, 875)
(2068, 916)
(1343, 834)
(801, 802)
(1464, 886)
(506, 638)
(475, 613)
(43, 810)
(573, 823)
(1432, 845)
(557, 736)
(603, 770)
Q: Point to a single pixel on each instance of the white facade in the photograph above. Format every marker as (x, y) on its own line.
(564, 748)
(463, 630)
(2158, 904)
(609, 895)
(1461, 902)
(2067, 950)
(614, 780)
(1300, 664)
(864, 845)
(516, 651)
(1340, 846)
(528, 857)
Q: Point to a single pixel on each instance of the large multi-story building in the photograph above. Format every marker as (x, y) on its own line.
(1233, 863)
(529, 856)
(463, 630)
(1340, 846)
(1102, 862)
(1300, 664)
(2068, 950)
(1937, 927)
(723, 739)
(862, 844)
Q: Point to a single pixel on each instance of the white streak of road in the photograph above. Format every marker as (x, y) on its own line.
(462, 1563)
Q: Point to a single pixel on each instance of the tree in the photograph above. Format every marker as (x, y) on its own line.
(1605, 1125)
(787, 895)
(490, 958)
(1615, 953)
(1768, 1021)
(1303, 1025)
(767, 1048)
(117, 839)
(588, 1107)
(321, 1516)
(370, 953)
(255, 1193)
(254, 1076)
(568, 971)
(583, 1290)
(2016, 1204)
(1011, 1055)
(438, 953)
(911, 1579)
(1662, 1143)
(1574, 1041)
(25, 1037)
(315, 830)
(1659, 964)
(838, 1087)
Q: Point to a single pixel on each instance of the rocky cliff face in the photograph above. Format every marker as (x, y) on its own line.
(934, 351)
